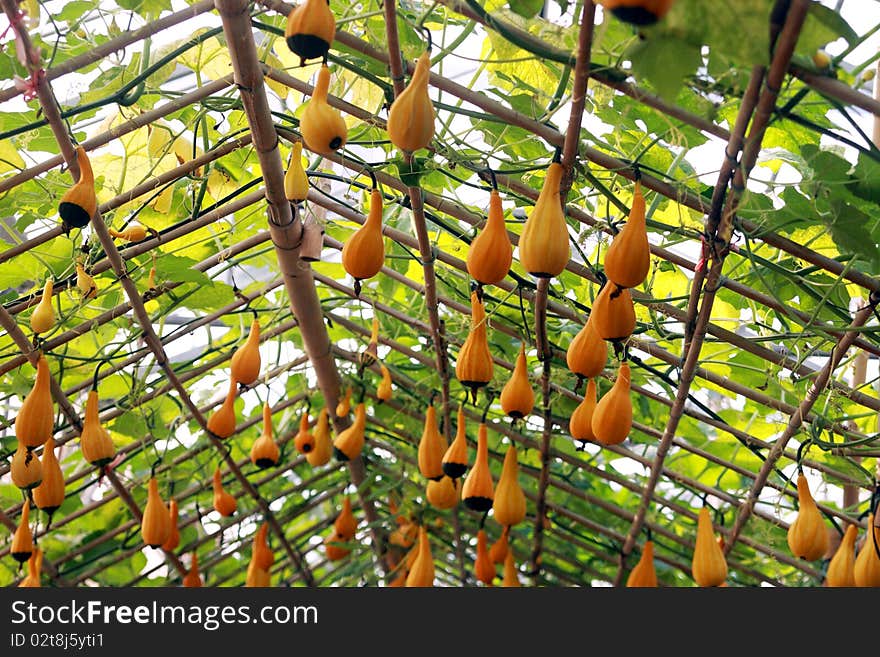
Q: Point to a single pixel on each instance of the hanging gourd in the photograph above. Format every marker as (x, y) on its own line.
(132, 233)
(628, 259)
(587, 353)
(22, 540)
(612, 417)
(383, 391)
(411, 116)
(543, 245)
(455, 460)
(86, 285)
(369, 355)
(43, 317)
(49, 495)
(443, 493)
(256, 577)
(405, 535)
(708, 566)
(580, 425)
(491, 253)
(421, 573)
(36, 417)
(26, 469)
(841, 568)
(509, 505)
(343, 407)
(484, 569)
(192, 579)
(222, 421)
(262, 554)
(432, 447)
(350, 442)
(170, 545)
(156, 521)
(807, 535)
(364, 251)
(334, 548)
(264, 451)
(323, 449)
(304, 441)
(637, 12)
(245, 364)
(80, 202)
(224, 503)
(511, 576)
(474, 367)
(643, 575)
(613, 314)
(866, 571)
(94, 440)
(35, 566)
(322, 127)
(310, 29)
(499, 549)
(517, 396)
(296, 182)
(345, 524)
(478, 491)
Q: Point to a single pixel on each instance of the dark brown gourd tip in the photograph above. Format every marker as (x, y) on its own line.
(21, 557)
(635, 15)
(454, 470)
(307, 46)
(481, 504)
(73, 215)
(264, 463)
(340, 455)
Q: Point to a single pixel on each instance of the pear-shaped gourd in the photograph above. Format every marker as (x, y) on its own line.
(345, 524)
(612, 417)
(296, 182)
(192, 579)
(364, 251)
(174, 535)
(580, 425)
(613, 314)
(132, 233)
(543, 245)
(383, 391)
(43, 317)
(644, 575)
(80, 202)
(628, 259)
(264, 451)
(455, 460)
(322, 127)
(511, 576)
(491, 253)
(807, 535)
(304, 441)
(866, 571)
(517, 396)
(86, 285)
(421, 573)
(343, 407)
(637, 12)
(332, 546)
(245, 364)
(95, 441)
(35, 566)
(484, 569)
(310, 29)
(708, 566)
(474, 368)
(587, 353)
(26, 469)
(369, 355)
(509, 505)
(499, 549)
(224, 503)
(432, 447)
(22, 540)
(443, 493)
(262, 554)
(156, 521)
(49, 495)
(222, 421)
(323, 449)
(350, 442)
(35, 420)
(841, 568)
(256, 577)
(478, 491)
(411, 116)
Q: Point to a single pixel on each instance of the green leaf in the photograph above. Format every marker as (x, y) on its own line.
(665, 63)
(526, 8)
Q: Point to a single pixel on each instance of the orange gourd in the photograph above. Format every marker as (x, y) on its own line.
(156, 521)
(509, 505)
(49, 495)
(304, 441)
(443, 493)
(22, 540)
(612, 417)
(133, 233)
(224, 503)
(628, 259)
(193, 579)
(484, 569)
(262, 554)
(343, 407)
(708, 566)
(322, 127)
(310, 29)
(455, 460)
(807, 535)
(80, 202)
(643, 575)
(511, 577)
(613, 314)
(421, 573)
(86, 285)
(174, 535)
(296, 182)
(491, 253)
(43, 317)
(264, 451)
(580, 425)
(369, 355)
(323, 448)
(222, 421)
(334, 550)
(478, 491)
(245, 364)
(866, 571)
(256, 577)
(543, 245)
(26, 469)
(637, 12)
(474, 367)
(517, 396)
(94, 440)
(411, 116)
(34, 423)
(383, 391)
(587, 353)
(350, 442)
(363, 253)
(500, 548)
(432, 447)
(841, 568)
(345, 524)
(35, 566)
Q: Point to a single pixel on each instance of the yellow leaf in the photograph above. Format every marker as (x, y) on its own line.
(10, 160)
(210, 59)
(725, 315)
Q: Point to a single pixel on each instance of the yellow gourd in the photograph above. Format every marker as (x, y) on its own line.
(587, 353)
(644, 575)
(264, 451)
(421, 573)
(310, 29)
(478, 491)
(517, 396)
(224, 503)
(491, 253)
(350, 442)
(841, 568)
(343, 407)
(262, 554)
(500, 548)
(580, 425)
(304, 441)
(296, 182)
(383, 391)
(866, 571)
(133, 233)
(222, 421)
(405, 534)
(86, 285)
(322, 127)
(612, 417)
(49, 495)
(474, 367)
(484, 569)
(613, 314)
(245, 364)
(36, 417)
(156, 521)
(443, 493)
(35, 566)
(22, 540)
(637, 12)
(95, 441)
(509, 505)
(43, 317)
(364, 251)
(455, 460)
(256, 576)
(432, 447)
(345, 524)
(80, 202)
(411, 116)
(26, 469)
(807, 535)
(369, 355)
(174, 535)
(511, 577)
(708, 566)
(323, 449)
(192, 579)
(628, 259)
(543, 245)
